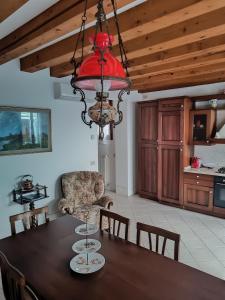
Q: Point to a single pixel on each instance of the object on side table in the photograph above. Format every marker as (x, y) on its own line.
(83, 190)
(27, 193)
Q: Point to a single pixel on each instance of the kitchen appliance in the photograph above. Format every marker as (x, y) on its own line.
(26, 183)
(219, 191)
(195, 162)
(221, 170)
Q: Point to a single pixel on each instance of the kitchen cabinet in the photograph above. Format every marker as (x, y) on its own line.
(198, 192)
(147, 122)
(147, 175)
(173, 149)
(163, 149)
(170, 169)
(202, 125)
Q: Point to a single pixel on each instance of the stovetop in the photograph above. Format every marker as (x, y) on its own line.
(221, 170)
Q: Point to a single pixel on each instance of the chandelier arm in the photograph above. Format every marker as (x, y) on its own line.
(84, 112)
(120, 99)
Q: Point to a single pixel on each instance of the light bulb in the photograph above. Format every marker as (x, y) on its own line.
(106, 85)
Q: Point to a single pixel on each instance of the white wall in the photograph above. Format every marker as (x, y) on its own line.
(73, 148)
(125, 142)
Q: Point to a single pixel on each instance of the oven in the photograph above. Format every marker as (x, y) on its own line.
(219, 191)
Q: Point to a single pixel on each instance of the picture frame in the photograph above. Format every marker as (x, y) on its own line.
(25, 130)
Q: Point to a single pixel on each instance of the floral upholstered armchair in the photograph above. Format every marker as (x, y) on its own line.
(83, 192)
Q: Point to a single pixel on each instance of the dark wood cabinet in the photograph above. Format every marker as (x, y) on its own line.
(162, 148)
(170, 127)
(174, 152)
(198, 192)
(147, 120)
(202, 125)
(147, 170)
(170, 168)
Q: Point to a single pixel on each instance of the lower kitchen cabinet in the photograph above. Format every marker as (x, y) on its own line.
(147, 170)
(198, 197)
(170, 171)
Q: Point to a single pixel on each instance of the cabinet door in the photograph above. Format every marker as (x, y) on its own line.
(147, 170)
(170, 174)
(171, 128)
(148, 122)
(175, 104)
(198, 197)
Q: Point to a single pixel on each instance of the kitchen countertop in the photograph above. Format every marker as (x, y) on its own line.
(205, 171)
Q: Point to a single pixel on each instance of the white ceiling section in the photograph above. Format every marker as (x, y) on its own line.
(24, 14)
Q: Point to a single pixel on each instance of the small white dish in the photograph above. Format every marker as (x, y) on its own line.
(83, 265)
(86, 229)
(86, 246)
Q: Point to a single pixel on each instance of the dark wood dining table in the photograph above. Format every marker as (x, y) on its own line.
(43, 255)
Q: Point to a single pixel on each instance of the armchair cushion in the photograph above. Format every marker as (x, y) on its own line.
(83, 191)
(105, 201)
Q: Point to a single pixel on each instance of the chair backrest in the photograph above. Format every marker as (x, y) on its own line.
(13, 282)
(28, 217)
(114, 222)
(159, 232)
(82, 187)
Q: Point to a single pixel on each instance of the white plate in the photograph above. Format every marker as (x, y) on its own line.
(79, 264)
(86, 246)
(86, 229)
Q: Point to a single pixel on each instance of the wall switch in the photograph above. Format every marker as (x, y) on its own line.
(92, 137)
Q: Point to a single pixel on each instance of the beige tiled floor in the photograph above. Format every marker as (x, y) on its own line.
(202, 237)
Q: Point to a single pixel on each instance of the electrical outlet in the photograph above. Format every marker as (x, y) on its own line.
(92, 163)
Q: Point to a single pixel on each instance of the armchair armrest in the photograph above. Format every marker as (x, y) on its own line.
(65, 206)
(105, 201)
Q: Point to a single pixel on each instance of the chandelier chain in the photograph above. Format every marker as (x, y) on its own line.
(81, 37)
(120, 40)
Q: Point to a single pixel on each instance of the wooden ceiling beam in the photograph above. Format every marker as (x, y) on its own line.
(182, 82)
(141, 65)
(196, 71)
(183, 65)
(194, 30)
(8, 7)
(147, 21)
(58, 20)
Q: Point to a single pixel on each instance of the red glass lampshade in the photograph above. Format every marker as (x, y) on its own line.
(89, 76)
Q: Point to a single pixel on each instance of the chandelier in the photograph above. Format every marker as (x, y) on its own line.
(100, 71)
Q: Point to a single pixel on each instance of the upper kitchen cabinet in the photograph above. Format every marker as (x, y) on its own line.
(202, 126)
(173, 121)
(148, 122)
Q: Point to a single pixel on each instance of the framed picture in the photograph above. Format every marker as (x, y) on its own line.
(24, 130)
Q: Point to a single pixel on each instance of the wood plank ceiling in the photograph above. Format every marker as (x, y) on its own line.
(169, 44)
(8, 7)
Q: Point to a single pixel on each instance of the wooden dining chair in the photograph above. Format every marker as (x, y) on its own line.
(114, 222)
(159, 232)
(27, 218)
(13, 282)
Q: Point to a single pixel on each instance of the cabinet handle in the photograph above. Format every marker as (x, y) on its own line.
(181, 150)
(210, 192)
(197, 176)
(197, 182)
